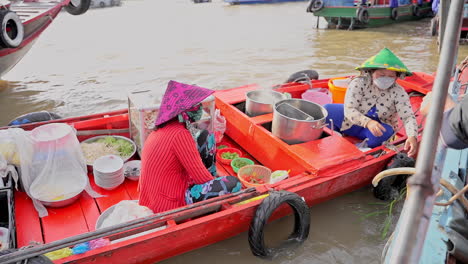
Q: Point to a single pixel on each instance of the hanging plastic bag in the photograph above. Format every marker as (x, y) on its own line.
(8, 148)
(125, 211)
(6, 169)
(52, 164)
(219, 126)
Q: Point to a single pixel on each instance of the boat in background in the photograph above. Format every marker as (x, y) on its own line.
(352, 14)
(249, 2)
(22, 23)
(439, 19)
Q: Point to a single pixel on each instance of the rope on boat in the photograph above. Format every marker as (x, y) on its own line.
(27, 253)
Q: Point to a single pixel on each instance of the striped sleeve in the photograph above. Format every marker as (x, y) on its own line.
(189, 157)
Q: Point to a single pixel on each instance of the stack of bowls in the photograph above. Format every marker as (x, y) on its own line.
(108, 171)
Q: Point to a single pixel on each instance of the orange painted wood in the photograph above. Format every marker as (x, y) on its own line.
(28, 225)
(132, 189)
(63, 222)
(111, 197)
(90, 210)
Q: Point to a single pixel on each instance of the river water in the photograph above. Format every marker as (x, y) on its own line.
(86, 64)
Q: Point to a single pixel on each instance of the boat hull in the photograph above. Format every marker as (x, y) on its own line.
(347, 18)
(250, 2)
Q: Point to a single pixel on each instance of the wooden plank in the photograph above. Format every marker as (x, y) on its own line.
(111, 197)
(90, 211)
(63, 222)
(132, 189)
(28, 224)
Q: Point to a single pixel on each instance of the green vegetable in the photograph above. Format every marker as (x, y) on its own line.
(240, 163)
(229, 155)
(124, 147)
(222, 146)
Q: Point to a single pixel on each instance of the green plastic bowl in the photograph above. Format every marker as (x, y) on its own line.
(236, 169)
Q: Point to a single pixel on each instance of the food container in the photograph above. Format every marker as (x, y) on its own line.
(143, 109)
(93, 139)
(298, 121)
(132, 170)
(260, 102)
(321, 98)
(235, 163)
(219, 155)
(255, 171)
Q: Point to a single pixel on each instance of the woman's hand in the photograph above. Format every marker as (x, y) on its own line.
(375, 128)
(411, 146)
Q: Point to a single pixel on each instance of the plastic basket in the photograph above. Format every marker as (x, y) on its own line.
(224, 150)
(7, 217)
(234, 161)
(258, 171)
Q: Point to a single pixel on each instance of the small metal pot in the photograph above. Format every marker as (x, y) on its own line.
(260, 102)
(298, 121)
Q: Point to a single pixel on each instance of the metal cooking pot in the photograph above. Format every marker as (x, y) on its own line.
(260, 102)
(297, 121)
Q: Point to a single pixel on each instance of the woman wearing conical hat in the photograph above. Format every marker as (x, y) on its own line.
(178, 159)
(373, 103)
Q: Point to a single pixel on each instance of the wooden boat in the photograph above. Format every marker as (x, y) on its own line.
(24, 21)
(346, 14)
(436, 23)
(320, 170)
(250, 2)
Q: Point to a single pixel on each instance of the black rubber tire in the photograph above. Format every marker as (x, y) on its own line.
(389, 187)
(112, 3)
(364, 16)
(263, 213)
(34, 117)
(317, 5)
(309, 7)
(14, 36)
(301, 76)
(35, 260)
(78, 9)
(416, 11)
(394, 14)
(102, 4)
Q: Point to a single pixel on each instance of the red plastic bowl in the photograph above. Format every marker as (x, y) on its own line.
(220, 152)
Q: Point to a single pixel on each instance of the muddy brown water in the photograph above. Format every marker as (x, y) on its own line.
(86, 64)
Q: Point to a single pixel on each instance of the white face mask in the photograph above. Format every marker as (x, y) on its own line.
(384, 82)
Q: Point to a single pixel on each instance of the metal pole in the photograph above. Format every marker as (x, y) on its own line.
(417, 210)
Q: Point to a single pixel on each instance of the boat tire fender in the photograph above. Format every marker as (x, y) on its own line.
(78, 9)
(394, 14)
(34, 117)
(316, 5)
(303, 76)
(12, 33)
(363, 15)
(416, 11)
(309, 7)
(389, 187)
(263, 213)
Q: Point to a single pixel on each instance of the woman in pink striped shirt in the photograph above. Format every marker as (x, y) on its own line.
(178, 160)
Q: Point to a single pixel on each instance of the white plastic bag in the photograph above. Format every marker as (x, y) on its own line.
(125, 211)
(8, 148)
(6, 169)
(219, 126)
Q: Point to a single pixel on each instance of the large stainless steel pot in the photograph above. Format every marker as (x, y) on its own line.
(297, 121)
(260, 102)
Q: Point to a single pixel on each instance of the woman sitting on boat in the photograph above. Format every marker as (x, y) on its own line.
(178, 155)
(373, 101)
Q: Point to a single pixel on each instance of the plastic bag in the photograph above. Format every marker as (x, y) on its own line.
(278, 175)
(219, 126)
(52, 164)
(8, 148)
(6, 169)
(125, 211)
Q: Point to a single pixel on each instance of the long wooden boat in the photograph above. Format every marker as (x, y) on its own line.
(436, 24)
(320, 170)
(24, 21)
(346, 14)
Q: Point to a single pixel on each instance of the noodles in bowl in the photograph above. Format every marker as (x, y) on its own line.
(99, 146)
